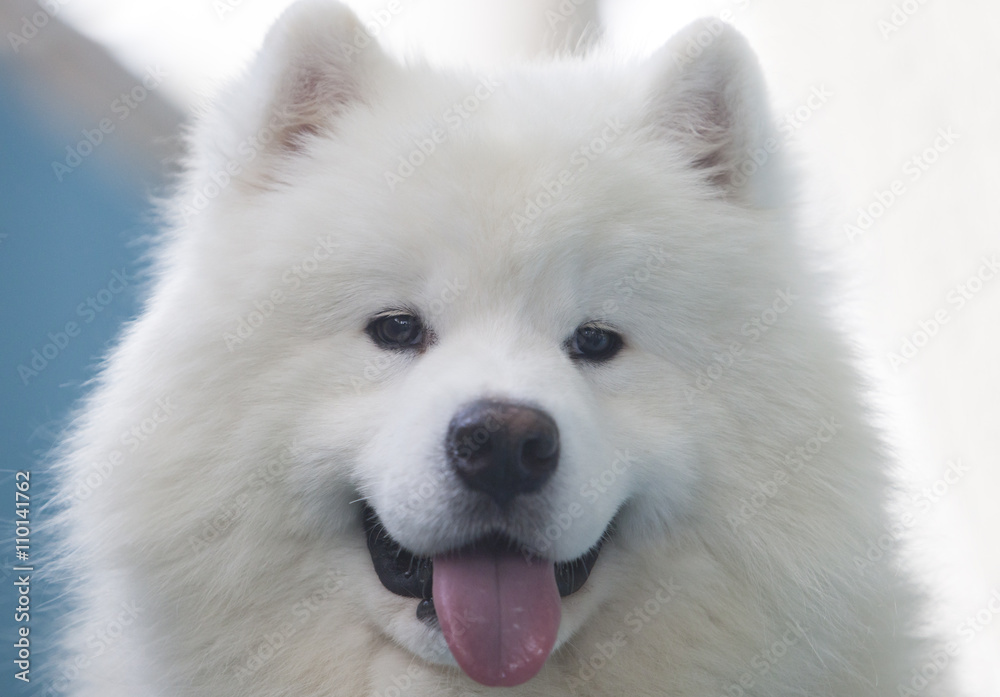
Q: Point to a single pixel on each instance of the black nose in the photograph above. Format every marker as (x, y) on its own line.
(503, 449)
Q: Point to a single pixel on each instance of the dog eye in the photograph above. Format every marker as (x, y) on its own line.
(594, 343)
(396, 331)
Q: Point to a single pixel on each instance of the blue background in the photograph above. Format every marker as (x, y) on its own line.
(60, 243)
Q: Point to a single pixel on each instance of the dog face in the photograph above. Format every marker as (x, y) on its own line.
(472, 304)
(484, 384)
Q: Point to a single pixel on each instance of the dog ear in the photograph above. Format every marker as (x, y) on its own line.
(316, 63)
(709, 98)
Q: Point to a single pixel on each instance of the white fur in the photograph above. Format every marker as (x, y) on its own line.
(270, 436)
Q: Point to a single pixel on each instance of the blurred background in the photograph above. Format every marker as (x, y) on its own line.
(890, 107)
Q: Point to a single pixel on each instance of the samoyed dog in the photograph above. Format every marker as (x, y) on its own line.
(461, 384)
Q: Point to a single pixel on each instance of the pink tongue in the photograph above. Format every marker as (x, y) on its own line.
(499, 613)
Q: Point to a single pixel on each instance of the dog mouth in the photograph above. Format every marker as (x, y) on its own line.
(497, 604)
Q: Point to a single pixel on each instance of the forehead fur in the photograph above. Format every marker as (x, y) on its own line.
(421, 179)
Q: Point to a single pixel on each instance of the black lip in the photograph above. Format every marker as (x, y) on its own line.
(408, 575)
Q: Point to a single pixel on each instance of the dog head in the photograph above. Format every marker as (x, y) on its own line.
(476, 305)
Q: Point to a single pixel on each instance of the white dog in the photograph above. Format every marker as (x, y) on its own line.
(451, 381)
